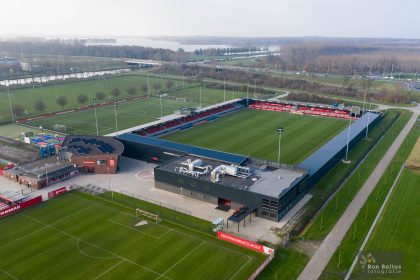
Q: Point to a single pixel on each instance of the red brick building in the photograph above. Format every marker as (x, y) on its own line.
(92, 154)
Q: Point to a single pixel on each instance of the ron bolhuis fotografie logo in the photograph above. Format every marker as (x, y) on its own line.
(381, 264)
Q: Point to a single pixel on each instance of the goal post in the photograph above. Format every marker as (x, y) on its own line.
(180, 99)
(155, 217)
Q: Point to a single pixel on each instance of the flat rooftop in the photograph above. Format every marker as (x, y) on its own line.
(92, 145)
(265, 179)
(39, 168)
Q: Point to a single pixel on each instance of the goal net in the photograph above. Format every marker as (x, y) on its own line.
(149, 215)
(178, 99)
(60, 127)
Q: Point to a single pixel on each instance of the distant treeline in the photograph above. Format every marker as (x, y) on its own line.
(348, 59)
(261, 79)
(55, 47)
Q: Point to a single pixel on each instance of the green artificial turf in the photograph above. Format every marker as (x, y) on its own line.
(254, 133)
(77, 236)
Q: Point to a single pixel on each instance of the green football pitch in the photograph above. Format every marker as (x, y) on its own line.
(397, 229)
(254, 133)
(77, 236)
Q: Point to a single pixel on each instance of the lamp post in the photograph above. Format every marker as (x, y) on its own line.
(96, 117)
(115, 114)
(148, 83)
(10, 101)
(161, 106)
(181, 199)
(348, 141)
(224, 89)
(200, 94)
(279, 131)
(46, 173)
(368, 119)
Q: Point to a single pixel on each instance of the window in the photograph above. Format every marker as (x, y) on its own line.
(272, 215)
(101, 162)
(265, 213)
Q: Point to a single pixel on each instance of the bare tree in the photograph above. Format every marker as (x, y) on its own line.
(115, 92)
(18, 109)
(100, 95)
(62, 101)
(40, 105)
(144, 88)
(131, 91)
(157, 85)
(82, 98)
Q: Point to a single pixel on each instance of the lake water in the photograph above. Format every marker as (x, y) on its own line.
(147, 42)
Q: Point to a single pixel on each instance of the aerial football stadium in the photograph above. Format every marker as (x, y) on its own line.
(255, 155)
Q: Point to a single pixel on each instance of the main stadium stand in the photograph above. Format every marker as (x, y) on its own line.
(188, 121)
(176, 149)
(303, 108)
(334, 150)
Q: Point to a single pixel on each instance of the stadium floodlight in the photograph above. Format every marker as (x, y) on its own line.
(116, 119)
(96, 117)
(46, 172)
(247, 94)
(10, 101)
(224, 89)
(348, 141)
(148, 83)
(160, 103)
(200, 93)
(368, 119)
(280, 131)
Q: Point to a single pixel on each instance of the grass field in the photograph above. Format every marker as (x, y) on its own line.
(348, 249)
(254, 133)
(397, 230)
(129, 114)
(48, 93)
(77, 236)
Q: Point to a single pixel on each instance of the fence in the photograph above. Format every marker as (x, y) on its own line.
(165, 211)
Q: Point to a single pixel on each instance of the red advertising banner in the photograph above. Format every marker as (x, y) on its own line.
(241, 242)
(57, 192)
(20, 206)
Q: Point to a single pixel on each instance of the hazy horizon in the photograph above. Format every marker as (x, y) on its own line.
(269, 18)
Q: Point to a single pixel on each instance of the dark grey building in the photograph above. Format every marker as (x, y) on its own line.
(268, 189)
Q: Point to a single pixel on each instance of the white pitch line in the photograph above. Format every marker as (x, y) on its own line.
(8, 274)
(100, 248)
(108, 270)
(183, 258)
(40, 254)
(242, 266)
(139, 231)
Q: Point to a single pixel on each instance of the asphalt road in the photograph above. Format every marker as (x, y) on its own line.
(323, 254)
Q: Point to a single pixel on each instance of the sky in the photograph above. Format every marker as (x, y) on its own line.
(242, 18)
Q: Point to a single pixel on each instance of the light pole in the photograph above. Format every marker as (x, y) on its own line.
(368, 119)
(96, 117)
(247, 94)
(115, 114)
(348, 141)
(10, 101)
(148, 83)
(200, 94)
(181, 199)
(109, 185)
(224, 89)
(46, 173)
(279, 131)
(160, 101)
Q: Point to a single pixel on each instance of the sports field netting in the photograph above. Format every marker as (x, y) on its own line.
(77, 236)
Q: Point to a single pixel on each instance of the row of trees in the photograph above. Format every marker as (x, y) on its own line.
(346, 89)
(347, 59)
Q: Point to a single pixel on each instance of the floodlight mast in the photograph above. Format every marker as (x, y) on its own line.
(96, 117)
(116, 119)
(279, 131)
(10, 101)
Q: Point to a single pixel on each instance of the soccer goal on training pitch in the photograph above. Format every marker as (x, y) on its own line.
(149, 215)
(60, 127)
(178, 99)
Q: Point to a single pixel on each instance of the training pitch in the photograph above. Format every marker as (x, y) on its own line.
(77, 236)
(254, 133)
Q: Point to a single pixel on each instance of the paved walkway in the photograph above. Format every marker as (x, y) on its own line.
(324, 253)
